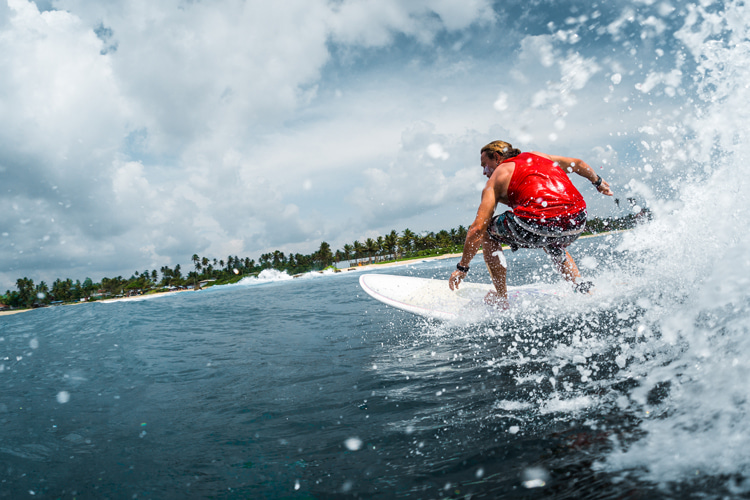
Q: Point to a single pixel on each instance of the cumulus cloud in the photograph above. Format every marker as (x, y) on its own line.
(376, 22)
(152, 130)
(138, 133)
(420, 178)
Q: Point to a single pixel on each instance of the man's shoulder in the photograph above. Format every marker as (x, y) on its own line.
(502, 175)
(506, 168)
(543, 155)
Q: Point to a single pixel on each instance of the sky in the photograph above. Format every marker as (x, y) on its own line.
(136, 134)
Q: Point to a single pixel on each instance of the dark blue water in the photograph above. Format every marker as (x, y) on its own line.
(308, 388)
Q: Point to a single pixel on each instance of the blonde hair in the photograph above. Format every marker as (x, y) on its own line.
(501, 148)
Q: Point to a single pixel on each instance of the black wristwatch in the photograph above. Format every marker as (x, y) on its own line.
(462, 268)
(598, 181)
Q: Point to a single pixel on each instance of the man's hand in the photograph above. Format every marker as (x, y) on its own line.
(455, 279)
(604, 188)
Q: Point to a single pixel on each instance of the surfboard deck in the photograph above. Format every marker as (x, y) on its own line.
(432, 298)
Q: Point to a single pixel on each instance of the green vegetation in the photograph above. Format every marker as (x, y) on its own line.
(210, 272)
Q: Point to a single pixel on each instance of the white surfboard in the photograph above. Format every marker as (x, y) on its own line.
(434, 299)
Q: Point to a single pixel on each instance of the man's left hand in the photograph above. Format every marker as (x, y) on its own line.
(604, 188)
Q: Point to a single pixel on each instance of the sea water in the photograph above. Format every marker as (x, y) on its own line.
(284, 388)
(278, 387)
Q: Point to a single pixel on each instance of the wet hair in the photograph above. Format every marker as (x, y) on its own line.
(501, 148)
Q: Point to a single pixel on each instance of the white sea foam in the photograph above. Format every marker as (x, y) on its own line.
(274, 275)
(680, 307)
(265, 276)
(574, 405)
(136, 298)
(695, 257)
(506, 405)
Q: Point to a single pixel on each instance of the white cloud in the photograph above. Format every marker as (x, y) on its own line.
(59, 89)
(373, 23)
(414, 183)
(501, 104)
(436, 152)
(240, 126)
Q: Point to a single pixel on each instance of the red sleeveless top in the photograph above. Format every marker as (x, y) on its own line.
(540, 191)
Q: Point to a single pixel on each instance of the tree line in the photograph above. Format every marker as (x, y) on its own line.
(388, 247)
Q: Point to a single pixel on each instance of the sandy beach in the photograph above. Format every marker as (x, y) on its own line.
(14, 311)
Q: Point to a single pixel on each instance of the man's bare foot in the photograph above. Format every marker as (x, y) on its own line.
(496, 300)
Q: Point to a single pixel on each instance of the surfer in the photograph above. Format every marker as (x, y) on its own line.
(547, 212)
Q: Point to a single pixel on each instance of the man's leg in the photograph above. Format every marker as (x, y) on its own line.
(567, 267)
(497, 266)
(564, 263)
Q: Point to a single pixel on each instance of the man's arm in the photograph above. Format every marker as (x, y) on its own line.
(476, 233)
(581, 168)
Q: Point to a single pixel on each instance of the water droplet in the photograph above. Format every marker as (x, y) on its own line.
(353, 444)
(535, 477)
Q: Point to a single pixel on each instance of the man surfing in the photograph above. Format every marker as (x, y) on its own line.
(547, 212)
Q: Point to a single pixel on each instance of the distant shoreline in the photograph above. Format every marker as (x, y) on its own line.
(103, 301)
(446, 256)
(363, 267)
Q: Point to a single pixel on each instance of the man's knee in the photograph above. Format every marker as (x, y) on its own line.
(493, 252)
(490, 246)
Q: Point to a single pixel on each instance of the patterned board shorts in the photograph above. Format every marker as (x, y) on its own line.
(517, 233)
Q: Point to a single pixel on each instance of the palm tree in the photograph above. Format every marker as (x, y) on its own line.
(324, 255)
(357, 251)
(279, 259)
(444, 239)
(146, 277)
(166, 275)
(461, 235)
(371, 246)
(391, 240)
(347, 251)
(427, 241)
(406, 240)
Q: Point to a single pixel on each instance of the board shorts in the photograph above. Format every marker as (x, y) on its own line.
(516, 232)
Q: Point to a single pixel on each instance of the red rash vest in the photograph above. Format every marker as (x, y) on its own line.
(541, 191)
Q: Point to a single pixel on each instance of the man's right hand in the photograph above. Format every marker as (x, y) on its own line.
(455, 279)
